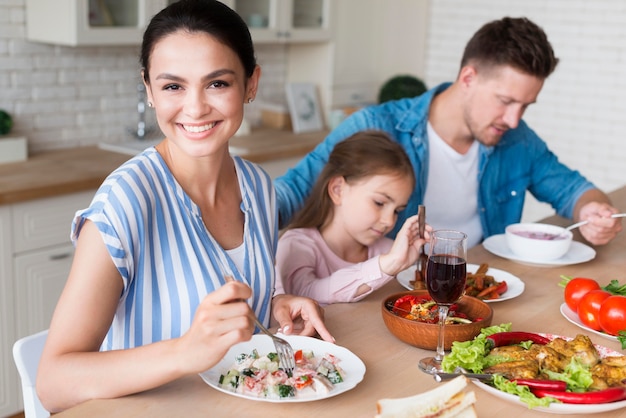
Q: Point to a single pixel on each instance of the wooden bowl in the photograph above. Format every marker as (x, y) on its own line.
(423, 335)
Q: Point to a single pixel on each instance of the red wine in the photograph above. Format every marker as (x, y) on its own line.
(445, 278)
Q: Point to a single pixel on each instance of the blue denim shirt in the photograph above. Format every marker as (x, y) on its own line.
(520, 161)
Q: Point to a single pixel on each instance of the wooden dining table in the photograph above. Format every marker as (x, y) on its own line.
(391, 365)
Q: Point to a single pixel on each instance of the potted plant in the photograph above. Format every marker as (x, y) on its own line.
(401, 86)
(6, 122)
(11, 148)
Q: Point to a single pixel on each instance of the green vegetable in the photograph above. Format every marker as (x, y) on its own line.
(273, 357)
(334, 377)
(286, 391)
(621, 337)
(248, 372)
(471, 354)
(576, 375)
(524, 393)
(615, 288)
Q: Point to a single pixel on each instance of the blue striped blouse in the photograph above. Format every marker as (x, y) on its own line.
(166, 257)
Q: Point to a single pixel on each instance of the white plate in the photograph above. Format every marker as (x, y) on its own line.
(578, 252)
(350, 363)
(561, 408)
(572, 317)
(515, 286)
(555, 408)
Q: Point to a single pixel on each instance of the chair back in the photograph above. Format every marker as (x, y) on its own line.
(26, 353)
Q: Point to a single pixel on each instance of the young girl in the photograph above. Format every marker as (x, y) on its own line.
(146, 300)
(335, 249)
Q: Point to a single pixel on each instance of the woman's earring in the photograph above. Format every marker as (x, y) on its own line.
(251, 99)
(150, 104)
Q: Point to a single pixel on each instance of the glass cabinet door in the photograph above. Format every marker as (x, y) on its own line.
(113, 13)
(284, 20)
(307, 14)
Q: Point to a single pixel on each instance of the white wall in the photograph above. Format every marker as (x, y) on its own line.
(581, 112)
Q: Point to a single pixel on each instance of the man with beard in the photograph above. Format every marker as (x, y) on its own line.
(473, 155)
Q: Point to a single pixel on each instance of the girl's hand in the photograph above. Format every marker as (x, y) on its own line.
(405, 249)
(300, 316)
(222, 319)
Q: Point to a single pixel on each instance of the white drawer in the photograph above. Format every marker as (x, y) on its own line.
(44, 222)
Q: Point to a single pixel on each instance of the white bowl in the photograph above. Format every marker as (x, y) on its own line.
(538, 242)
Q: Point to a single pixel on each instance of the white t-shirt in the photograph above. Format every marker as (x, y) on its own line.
(452, 189)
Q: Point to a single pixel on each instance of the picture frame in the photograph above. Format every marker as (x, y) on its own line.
(304, 107)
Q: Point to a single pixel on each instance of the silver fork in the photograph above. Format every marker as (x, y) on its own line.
(284, 350)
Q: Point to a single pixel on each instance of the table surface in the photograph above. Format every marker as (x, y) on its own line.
(392, 370)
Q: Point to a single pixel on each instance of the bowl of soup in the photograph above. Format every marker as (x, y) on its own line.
(537, 242)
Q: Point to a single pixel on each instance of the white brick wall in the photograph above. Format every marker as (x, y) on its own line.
(62, 97)
(581, 112)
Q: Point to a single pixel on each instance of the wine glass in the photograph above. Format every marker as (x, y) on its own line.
(445, 280)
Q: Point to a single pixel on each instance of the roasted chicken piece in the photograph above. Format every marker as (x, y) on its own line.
(580, 347)
(611, 370)
(516, 352)
(522, 369)
(550, 359)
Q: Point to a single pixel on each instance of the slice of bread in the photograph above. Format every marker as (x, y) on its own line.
(445, 401)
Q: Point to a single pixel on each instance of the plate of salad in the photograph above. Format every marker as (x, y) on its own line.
(250, 370)
(472, 355)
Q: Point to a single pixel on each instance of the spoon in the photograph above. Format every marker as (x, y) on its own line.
(581, 223)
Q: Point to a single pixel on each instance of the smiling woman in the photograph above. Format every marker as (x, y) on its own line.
(146, 301)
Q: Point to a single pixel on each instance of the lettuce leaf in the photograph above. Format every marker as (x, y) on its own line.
(524, 393)
(577, 376)
(471, 354)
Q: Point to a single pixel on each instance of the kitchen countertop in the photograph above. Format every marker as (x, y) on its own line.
(72, 170)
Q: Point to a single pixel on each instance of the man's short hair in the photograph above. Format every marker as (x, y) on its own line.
(514, 42)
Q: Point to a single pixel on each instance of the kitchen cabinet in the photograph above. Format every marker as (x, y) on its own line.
(122, 22)
(285, 21)
(35, 258)
(89, 22)
(9, 386)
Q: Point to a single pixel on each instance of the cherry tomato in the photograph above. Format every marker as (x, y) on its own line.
(589, 308)
(576, 289)
(613, 314)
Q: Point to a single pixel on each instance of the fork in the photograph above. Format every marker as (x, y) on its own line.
(284, 350)
(422, 259)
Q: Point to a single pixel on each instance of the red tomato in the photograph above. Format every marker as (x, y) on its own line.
(589, 308)
(298, 357)
(576, 289)
(613, 314)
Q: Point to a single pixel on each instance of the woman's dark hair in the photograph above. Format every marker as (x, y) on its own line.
(515, 42)
(364, 154)
(209, 16)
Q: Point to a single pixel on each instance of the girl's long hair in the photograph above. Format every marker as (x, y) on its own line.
(364, 154)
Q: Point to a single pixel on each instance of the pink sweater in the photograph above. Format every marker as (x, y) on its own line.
(307, 267)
